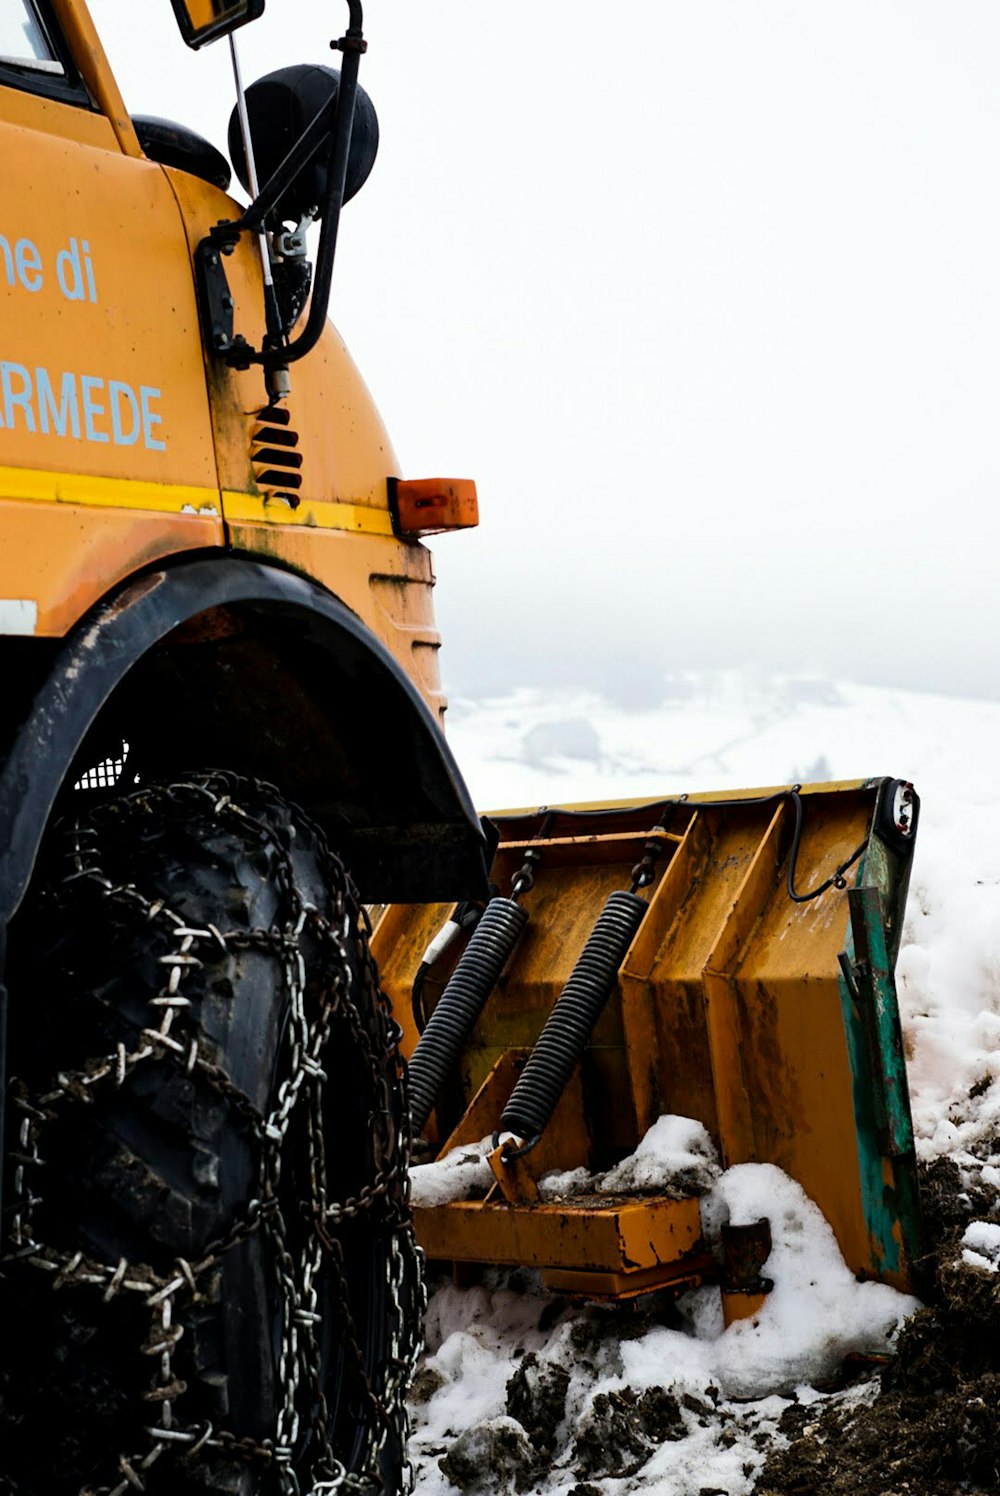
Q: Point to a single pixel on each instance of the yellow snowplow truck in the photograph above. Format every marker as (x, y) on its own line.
(220, 745)
(214, 606)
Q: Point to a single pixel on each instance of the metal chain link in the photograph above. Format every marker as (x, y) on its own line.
(171, 1038)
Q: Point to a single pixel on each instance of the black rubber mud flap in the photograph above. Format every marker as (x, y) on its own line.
(210, 1279)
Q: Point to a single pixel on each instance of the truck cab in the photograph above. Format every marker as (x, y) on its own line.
(142, 464)
(218, 672)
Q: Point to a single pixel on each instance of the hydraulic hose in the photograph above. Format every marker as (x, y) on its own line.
(461, 1003)
(570, 1024)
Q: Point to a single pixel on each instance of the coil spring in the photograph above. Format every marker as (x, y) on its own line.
(571, 1022)
(461, 1003)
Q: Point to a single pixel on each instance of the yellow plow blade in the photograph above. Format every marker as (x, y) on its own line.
(756, 996)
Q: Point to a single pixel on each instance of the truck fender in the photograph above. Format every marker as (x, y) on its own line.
(233, 663)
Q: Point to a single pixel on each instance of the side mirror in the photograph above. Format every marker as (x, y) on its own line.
(280, 106)
(203, 21)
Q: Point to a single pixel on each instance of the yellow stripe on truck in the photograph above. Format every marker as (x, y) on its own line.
(95, 489)
(316, 513)
(109, 493)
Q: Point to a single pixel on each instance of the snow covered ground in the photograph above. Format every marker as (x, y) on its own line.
(518, 1394)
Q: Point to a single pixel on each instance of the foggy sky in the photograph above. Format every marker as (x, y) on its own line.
(704, 296)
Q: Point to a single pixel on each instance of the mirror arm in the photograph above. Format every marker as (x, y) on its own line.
(323, 277)
(297, 160)
(224, 236)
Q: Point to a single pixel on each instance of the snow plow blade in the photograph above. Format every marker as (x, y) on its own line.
(755, 995)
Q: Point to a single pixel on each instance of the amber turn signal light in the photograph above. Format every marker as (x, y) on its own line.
(429, 506)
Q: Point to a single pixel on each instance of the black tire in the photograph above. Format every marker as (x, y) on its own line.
(156, 1149)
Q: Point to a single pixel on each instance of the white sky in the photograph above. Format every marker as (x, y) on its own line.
(704, 295)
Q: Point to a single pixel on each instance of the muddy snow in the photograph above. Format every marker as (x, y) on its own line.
(836, 1386)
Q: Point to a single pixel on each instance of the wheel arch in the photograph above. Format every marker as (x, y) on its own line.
(229, 662)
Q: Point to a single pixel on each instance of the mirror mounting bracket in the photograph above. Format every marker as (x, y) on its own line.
(214, 296)
(335, 119)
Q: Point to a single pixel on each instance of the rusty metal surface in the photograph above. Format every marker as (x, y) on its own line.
(745, 1249)
(594, 1233)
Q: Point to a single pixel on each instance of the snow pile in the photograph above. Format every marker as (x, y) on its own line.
(520, 1393)
(948, 979)
(567, 1184)
(817, 1312)
(507, 1396)
(676, 1155)
(463, 1174)
(981, 1245)
(676, 1158)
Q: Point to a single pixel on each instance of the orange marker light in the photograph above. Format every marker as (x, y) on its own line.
(429, 506)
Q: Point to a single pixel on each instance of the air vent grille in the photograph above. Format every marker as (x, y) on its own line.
(276, 464)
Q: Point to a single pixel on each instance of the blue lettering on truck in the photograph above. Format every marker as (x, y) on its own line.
(79, 406)
(83, 407)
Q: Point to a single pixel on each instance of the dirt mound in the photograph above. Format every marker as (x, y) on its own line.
(536, 1397)
(492, 1460)
(932, 1423)
(623, 1428)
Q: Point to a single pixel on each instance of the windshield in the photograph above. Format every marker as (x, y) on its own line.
(22, 39)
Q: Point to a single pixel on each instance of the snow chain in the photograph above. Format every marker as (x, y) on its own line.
(172, 1038)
